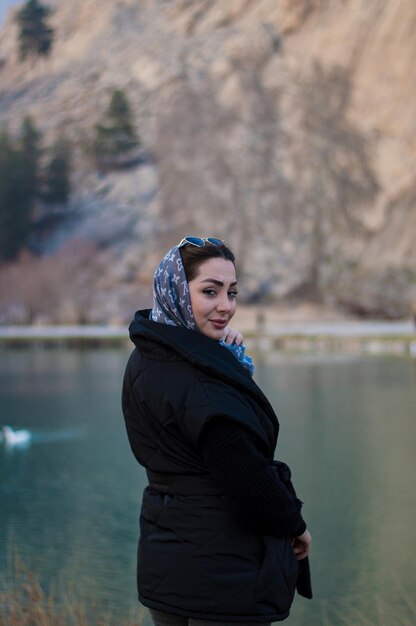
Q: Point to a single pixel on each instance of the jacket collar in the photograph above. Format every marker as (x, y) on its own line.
(200, 350)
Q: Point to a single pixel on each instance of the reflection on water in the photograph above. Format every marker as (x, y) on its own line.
(55, 436)
(69, 502)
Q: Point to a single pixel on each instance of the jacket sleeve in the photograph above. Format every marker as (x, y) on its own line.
(205, 400)
(257, 498)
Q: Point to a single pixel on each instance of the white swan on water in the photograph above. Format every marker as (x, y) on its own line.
(15, 437)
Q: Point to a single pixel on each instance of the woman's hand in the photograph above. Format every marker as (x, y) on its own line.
(302, 545)
(231, 336)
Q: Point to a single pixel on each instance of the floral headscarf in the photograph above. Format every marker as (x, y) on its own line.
(172, 302)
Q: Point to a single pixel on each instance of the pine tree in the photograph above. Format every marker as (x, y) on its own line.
(57, 175)
(30, 151)
(116, 134)
(15, 199)
(35, 36)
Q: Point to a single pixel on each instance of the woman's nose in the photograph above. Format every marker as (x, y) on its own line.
(224, 303)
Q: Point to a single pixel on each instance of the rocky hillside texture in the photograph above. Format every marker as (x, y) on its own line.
(286, 127)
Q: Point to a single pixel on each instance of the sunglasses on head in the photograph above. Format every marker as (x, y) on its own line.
(200, 241)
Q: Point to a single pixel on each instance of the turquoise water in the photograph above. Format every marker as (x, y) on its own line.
(69, 500)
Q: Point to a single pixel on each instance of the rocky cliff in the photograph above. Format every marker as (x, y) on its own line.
(286, 127)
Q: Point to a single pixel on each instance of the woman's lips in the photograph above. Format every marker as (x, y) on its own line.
(219, 323)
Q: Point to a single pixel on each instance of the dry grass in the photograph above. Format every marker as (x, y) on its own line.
(23, 602)
(380, 611)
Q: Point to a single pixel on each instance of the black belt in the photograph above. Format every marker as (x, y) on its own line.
(201, 484)
(183, 484)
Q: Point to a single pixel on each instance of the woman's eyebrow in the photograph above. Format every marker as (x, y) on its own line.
(217, 282)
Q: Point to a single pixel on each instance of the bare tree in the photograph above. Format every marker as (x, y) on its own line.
(333, 164)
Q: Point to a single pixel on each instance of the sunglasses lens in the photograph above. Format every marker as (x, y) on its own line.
(199, 242)
(195, 241)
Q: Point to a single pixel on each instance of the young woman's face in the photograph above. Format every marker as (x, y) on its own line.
(213, 294)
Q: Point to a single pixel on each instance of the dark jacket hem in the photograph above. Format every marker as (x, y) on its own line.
(159, 606)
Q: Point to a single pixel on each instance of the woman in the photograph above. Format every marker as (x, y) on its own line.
(221, 533)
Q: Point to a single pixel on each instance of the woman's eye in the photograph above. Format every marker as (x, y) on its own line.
(232, 294)
(210, 292)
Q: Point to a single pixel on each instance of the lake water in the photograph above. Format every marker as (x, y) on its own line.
(69, 502)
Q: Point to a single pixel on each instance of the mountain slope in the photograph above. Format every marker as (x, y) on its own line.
(288, 128)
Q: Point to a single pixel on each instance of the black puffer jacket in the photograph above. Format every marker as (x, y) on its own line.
(193, 558)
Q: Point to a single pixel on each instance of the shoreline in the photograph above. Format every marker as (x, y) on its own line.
(261, 332)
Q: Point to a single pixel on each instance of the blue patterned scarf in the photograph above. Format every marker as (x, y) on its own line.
(172, 302)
